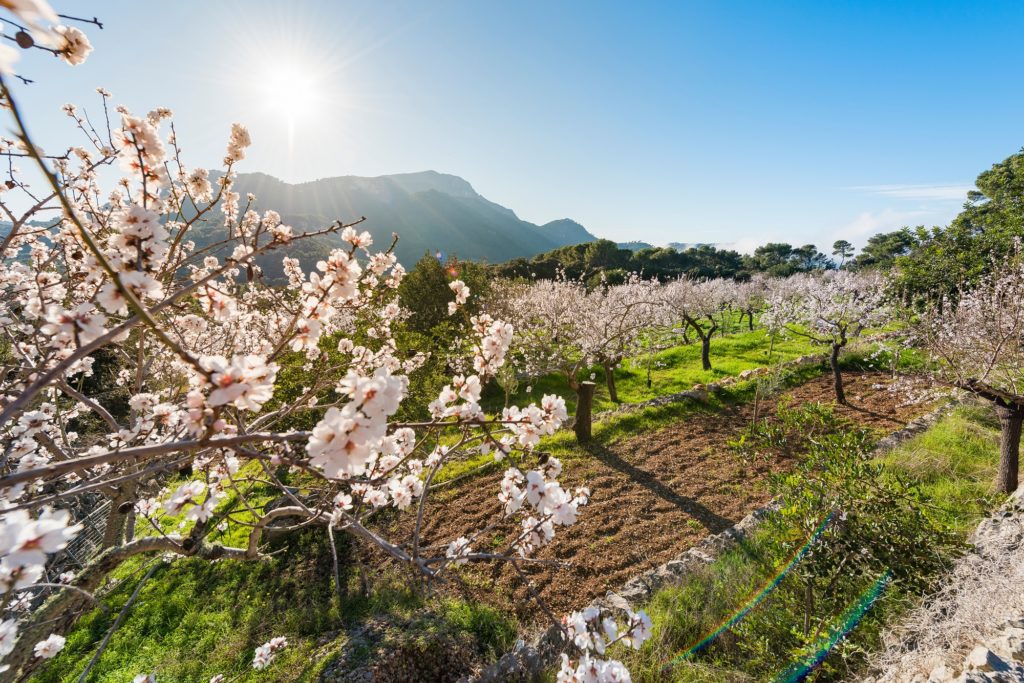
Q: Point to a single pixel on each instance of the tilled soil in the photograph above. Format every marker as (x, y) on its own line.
(653, 496)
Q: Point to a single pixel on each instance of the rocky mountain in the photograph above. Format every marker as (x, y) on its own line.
(431, 212)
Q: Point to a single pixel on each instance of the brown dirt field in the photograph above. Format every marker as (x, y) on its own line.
(653, 496)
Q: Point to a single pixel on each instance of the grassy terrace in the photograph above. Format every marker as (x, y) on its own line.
(673, 370)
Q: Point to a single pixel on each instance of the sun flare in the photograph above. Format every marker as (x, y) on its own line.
(293, 90)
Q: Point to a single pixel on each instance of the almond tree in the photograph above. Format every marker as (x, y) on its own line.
(829, 309)
(552, 319)
(617, 318)
(980, 344)
(699, 305)
(750, 297)
(198, 340)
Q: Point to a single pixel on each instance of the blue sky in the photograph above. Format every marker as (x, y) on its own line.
(737, 122)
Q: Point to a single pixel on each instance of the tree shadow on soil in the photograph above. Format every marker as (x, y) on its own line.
(712, 521)
(883, 418)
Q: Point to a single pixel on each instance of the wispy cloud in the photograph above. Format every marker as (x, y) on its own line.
(745, 245)
(949, 192)
(868, 223)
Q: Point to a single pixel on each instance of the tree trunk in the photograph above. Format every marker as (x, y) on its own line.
(705, 351)
(584, 411)
(1010, 420)
(837, 376)
(120, 506)
(750, 320)
(609, 376)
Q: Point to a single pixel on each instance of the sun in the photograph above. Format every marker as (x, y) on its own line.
(293, 90)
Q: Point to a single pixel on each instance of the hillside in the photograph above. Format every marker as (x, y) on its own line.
(431, 211)
(635, 245)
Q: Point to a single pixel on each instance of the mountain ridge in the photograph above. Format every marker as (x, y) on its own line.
(431, 212)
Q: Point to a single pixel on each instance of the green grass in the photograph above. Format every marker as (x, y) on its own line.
(954, 464)
(194, 619)
(676, 369)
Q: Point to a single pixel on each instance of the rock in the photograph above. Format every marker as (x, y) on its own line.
(941, 674)
(1008, 645)
(984, 660)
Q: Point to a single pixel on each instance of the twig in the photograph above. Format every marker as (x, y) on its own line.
(117, 622)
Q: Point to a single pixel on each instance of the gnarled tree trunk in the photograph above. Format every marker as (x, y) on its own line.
(705, 352)
(837, 375)
(609, 376)
(584, 411)
(1011, 418)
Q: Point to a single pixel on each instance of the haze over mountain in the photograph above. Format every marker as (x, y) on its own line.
(430, 211)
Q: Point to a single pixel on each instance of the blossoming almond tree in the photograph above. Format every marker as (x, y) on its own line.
(828, 309)
(700, 305)
(93, 280)
(980, 344)
(619, 316)
(750, 297)
(564, 327)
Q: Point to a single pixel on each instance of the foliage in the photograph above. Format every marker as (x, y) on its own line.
(588, 261)
(790, 429)
(425, 292)
(883, 249)
(944, 261)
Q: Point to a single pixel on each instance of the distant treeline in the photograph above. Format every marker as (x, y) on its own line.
(775, 258)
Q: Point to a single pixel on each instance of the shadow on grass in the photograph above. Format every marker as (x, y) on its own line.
(712, 521)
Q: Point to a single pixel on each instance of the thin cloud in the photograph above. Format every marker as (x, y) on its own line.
(951, 192)
(869, 223)
(745, 245)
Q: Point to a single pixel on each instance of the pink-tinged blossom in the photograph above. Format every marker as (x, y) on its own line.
(75, 327)
(50, 647)
(246, 382)
(75, 45)
(25, 543)
(186, 494)
(266, 652)
(343, 441)
(198, 185)
(8, 636)
(458, 551)
(237, 143)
